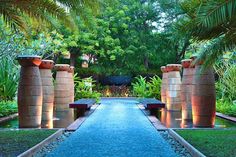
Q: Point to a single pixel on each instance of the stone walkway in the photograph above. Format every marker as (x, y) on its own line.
(118, 128)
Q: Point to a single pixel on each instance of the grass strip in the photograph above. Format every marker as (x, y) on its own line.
(212, 143)
(15, 142)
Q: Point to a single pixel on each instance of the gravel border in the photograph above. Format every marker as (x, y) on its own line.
(175, 145)
(47, 148)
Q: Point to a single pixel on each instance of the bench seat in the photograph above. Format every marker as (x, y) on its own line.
(151, 103)
(82, 103)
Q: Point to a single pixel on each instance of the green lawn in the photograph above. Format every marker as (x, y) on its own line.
(12, 143)
(212, 143)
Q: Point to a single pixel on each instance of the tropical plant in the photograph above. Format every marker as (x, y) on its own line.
(212, 22)
(7, 108)
(155, 87)
(84, 89)
(9, 77)
(140, 87)
(227, 81)
(16, 13)
(226, 107)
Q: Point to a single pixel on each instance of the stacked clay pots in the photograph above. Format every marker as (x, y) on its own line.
(29, 96)
(186, 89)
(203, 97)
(48, 93)
(64, 115)
(164, 84)
(173, 92)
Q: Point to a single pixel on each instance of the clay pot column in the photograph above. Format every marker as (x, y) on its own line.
(63, 114)
(72, 84)
(29, 96)
(164, 84)
(203, 97)
(173, 91)
(186, 90)
(48, 93)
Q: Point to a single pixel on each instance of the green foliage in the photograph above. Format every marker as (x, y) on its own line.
(7, 108)
(226, 107)
(155, 87)
(9, 77)
(226, 85)
(140, 87)
(144, 89)
(84, 89)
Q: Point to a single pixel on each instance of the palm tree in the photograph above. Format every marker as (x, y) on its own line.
(14, 12)
(213, 21)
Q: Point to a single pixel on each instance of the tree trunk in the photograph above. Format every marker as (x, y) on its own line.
(73, 57)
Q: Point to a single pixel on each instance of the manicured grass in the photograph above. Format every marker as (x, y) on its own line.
(12, 143)
(212, 143)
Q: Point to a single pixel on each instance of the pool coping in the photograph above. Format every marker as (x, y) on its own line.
(153, 119)
(192, 150)
(7, 118)
(230, 118)
(30, 152)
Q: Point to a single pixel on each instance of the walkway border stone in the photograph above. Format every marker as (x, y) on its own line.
(155, 122)
(193, 151)
(78, 122)
(7, 118)
(221, 115)
(30, 152)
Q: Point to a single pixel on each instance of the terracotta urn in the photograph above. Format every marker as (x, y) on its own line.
(29, 96)
(174, 67)
(71, 69)
(163, 69)
(29, 60)
(46, 64)
(62, 67)
(186, 63)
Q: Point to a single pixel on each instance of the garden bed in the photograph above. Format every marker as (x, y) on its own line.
(15, 142)
(212, 143)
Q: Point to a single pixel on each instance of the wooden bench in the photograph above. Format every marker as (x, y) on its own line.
(82, 105)
(152, 104)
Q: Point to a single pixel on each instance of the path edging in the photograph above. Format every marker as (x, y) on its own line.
(230, 118)
(79, 121)
(7, 118)
(193, 151)
(154, 121)
(30, 152)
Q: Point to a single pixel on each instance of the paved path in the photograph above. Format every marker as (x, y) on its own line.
(116, 129)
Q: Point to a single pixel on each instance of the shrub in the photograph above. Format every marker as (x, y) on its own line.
(140, 87)
(144, 89)
(226, 86)
(155, 87)
(9, 78)
(226, 107)
(7, 108)
(84, 89)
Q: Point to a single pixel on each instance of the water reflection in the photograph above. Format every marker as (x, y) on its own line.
(173, 119)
